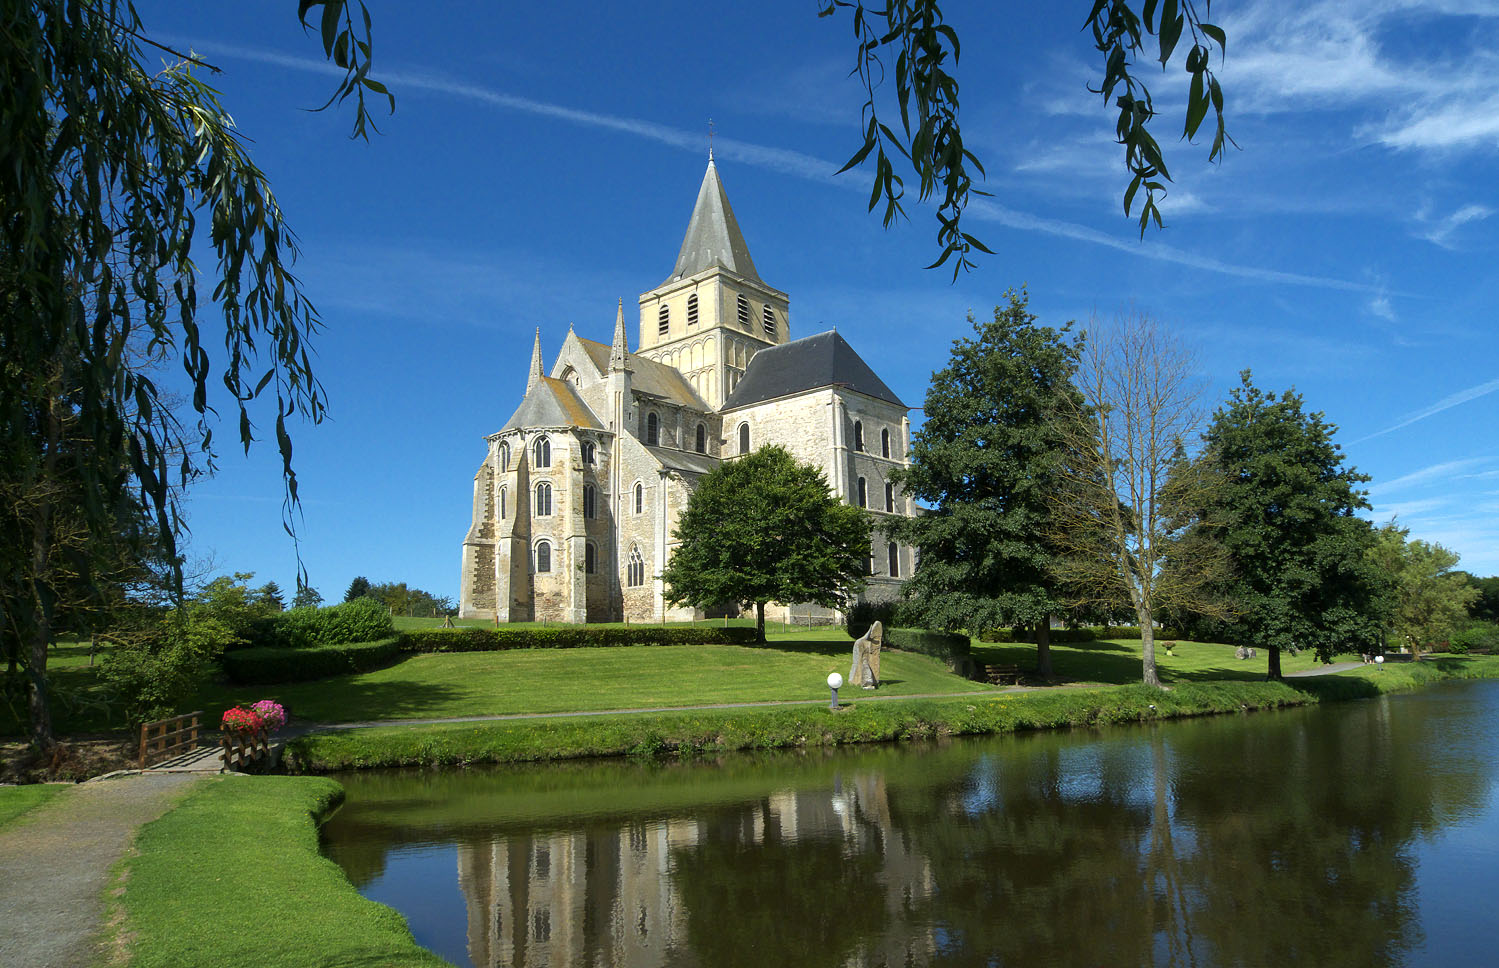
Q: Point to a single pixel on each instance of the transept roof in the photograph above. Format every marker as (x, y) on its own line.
(823, 360)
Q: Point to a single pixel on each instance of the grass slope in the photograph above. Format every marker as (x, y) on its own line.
(233, 878)
(18, 800)
(714, 731)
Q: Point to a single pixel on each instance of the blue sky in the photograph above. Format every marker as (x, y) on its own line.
(543, 160)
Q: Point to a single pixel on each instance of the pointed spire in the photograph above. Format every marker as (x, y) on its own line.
(535, 376)
(713, 237)
(621, 350)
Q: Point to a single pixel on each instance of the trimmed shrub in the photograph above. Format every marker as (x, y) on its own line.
(947, 646)
(362, 620)
(568, 637)
(1477, 637)
(267, 665)
(861, 615)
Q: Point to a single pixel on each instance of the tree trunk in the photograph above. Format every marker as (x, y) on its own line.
(1147, 642)
(1274, 656)
(760, 622)
(1043, 647)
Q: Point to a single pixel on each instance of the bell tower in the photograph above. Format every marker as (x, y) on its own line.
(713, 313)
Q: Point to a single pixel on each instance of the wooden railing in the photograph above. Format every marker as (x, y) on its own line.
(165, 737)
(241, 749)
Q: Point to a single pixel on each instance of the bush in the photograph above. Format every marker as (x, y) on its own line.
(861, 615)
(1476, 637)
(362, 620)
(157, 666)
(568, 637)
(946, 646)
(269, 665)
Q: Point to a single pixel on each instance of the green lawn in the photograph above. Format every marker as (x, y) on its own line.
(18, 800)
(793, 666)
(232, 877)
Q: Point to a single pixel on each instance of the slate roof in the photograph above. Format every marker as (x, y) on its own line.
(812, 363)
(684, 460)
(713, 237)
(649, 377)
(552, 403)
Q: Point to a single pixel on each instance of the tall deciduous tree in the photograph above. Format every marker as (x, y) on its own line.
(107, 170)
(763, 528)
(1285, 511)
(987, 461)
(1429, 600)
(1127, 492)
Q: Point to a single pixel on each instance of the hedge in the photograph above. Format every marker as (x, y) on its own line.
(362, 620)
(946, 646)
(1084, 634)
(570, 637)
(266, 665)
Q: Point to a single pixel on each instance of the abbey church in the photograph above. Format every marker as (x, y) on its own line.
(580, 491)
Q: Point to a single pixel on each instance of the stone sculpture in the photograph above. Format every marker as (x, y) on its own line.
(865, 671)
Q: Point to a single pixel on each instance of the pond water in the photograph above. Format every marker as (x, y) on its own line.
(1363, 833)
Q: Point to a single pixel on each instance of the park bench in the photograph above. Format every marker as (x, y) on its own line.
(1001, 675)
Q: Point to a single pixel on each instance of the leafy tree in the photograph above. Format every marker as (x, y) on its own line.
(764, 528)
(1286, 512)
(1126, 491)
(306, 597)
(358, 588)
(1486, 606)
(269, 596)
(1429, 601)
(986, 462)
(402, 600)
(109, 173)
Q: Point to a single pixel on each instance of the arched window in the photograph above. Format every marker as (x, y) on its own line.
(692, 310)
(504, 496)
(588, 500)
(863, 493)
(639, 498)
(893, 551)
(543, 449)
(770, 322)
(702, 439)
(504, 456)
(543, 556)
(744, 438)
(570, 375)
(744, 315)
(889, 497)
(859, 435)
(885, 442)
(590, 558)
(652, 430)
(588, 452)
(663, 320)
(635, 570)
(543, 500)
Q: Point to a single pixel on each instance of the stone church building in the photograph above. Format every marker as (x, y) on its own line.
(580, 490)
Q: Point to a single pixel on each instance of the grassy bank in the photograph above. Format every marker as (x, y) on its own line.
(16, 801)
(233, 878)
(857, 722)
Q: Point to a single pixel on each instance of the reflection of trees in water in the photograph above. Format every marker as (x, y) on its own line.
(1274, 839)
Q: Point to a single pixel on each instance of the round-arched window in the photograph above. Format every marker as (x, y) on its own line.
(652, 429)
(543, 556)
(702, 439)
(744, 440)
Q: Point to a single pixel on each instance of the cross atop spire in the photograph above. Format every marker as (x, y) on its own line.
(710, 141)
(535, 375)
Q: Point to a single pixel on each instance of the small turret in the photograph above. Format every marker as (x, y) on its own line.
(535, 375)
(620, 354)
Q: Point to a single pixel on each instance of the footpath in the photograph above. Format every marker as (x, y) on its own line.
(55, 863)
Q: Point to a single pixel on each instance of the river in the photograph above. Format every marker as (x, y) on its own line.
(1360, 833)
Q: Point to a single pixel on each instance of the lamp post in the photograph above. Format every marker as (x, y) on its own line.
(834, 681)
(1378, 662)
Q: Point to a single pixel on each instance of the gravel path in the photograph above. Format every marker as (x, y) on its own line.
(55, 862)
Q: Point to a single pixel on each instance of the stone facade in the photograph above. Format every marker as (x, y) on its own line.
(581, 490)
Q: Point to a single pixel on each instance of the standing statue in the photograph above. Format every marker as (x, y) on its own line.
(865, 671)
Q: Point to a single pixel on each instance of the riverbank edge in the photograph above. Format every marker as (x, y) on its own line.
(692, 732)
(234, 876)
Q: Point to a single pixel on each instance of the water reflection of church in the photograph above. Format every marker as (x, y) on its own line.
(611, 895)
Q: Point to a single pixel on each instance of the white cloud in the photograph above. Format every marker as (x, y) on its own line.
(1446, 403)
(1446, 470)
(1439, 230)
(1380, 306)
